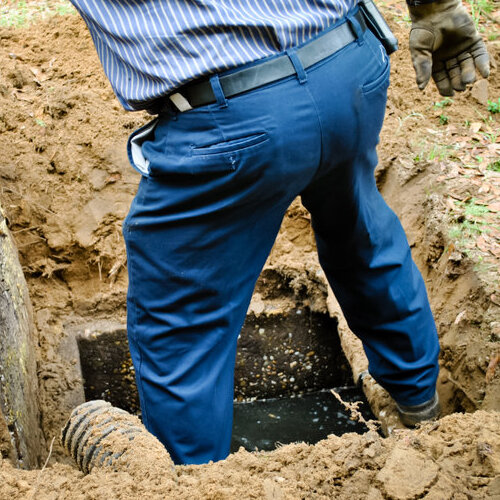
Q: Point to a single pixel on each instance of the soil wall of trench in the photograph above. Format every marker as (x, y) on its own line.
(65, 186)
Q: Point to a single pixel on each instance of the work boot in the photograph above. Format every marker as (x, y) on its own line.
(415, 414)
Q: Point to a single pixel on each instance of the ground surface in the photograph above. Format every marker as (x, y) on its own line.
(65, 184)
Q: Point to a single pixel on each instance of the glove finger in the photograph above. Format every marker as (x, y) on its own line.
(441, 79)
(455, 74)
(481, 58)
(421, 43)
(467, 68)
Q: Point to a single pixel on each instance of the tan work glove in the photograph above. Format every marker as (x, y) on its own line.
(445, 43)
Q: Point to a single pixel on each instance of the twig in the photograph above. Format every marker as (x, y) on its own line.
(25, 229)
(31, 242)
(37, 484)
(17, 193)
(356, 415)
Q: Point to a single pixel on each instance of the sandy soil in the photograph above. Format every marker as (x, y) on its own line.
(66, 185)
(457, 458)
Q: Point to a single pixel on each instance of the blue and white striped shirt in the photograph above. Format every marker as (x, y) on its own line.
(149, 48)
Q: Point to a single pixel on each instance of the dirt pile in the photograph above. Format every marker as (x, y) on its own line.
(455, 458)
(65, 185)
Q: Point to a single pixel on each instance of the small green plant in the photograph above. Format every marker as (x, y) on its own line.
(443, 119)
(425, 151)
(470, 220)
(490, 136)
(494, 107)
(439, 152)
(40, 122)
(445, 102)
(494, 165)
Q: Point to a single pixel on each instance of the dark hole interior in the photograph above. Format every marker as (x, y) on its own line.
(285, 366)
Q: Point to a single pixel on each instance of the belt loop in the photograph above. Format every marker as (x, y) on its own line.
(297, 64)
(356, 28)
(218, 92)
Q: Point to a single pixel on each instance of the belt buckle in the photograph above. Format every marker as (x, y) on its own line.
(180, 102)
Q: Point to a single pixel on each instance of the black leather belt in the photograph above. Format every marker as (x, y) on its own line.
(200, 93)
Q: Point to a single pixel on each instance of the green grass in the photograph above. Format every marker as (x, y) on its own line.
(494, 165)
(22, 13)
(445, 102)
(443, 119)
(437, 152)
(494, 106)
(469, 223)
(425, 151)
(474, 210)
(480, 8)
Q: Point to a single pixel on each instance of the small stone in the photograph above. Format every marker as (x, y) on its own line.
(97, 178)
(480, 92)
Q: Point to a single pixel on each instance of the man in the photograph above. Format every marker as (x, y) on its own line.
(260, 101)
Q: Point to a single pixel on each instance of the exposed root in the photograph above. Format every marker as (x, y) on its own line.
(38, 479)
(356, 415)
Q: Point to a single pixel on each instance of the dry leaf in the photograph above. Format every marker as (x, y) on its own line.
(450, 204)
(494, 207)
(116, 176)
(482, 244)
(475, 127)
(495, 249)
(495, 299)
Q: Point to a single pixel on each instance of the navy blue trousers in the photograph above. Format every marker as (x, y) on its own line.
(218, 182)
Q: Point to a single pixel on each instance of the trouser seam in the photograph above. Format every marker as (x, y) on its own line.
(318, 118)
(137, 343)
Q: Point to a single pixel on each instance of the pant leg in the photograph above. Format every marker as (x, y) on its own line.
(361, 244)
(198, 233)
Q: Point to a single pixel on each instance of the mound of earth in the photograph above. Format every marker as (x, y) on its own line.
(66, 186)
(456, 458)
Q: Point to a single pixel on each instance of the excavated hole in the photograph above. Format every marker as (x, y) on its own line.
(286, 364)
